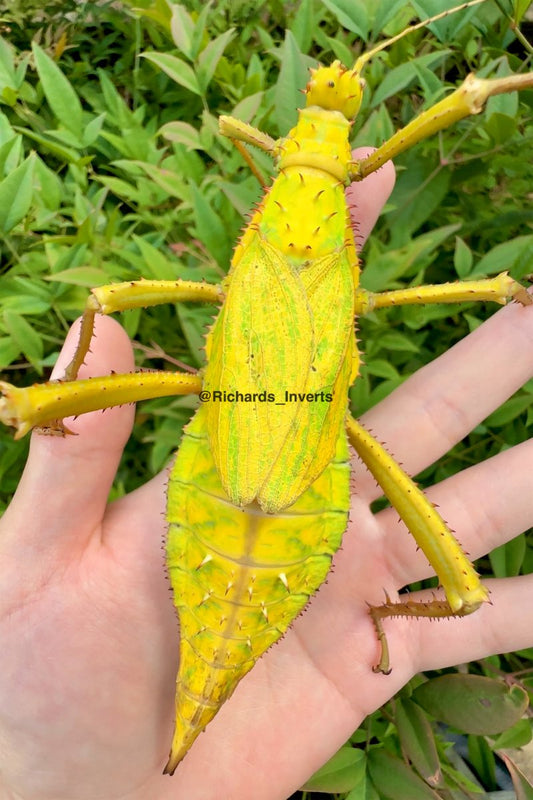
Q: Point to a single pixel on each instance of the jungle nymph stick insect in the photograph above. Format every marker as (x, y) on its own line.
(249, 474)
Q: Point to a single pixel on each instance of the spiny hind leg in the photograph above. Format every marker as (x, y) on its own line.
(135, 294)
(462, 586)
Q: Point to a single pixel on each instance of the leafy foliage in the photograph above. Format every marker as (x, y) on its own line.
(111, 168)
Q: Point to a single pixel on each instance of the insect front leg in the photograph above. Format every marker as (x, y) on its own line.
(240, 134)
(135, 294)
(468, 99)
(462, 586)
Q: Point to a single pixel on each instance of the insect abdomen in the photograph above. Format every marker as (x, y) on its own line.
(239, 576)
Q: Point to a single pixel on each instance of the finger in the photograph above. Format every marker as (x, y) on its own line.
(485, 505)
(444, 401)
(69, 478)
(501, 626)
(366, 198)
(134, 542)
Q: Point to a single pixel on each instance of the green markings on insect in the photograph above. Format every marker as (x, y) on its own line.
(258, 496)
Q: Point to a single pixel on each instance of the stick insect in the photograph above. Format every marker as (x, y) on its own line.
(265, 459)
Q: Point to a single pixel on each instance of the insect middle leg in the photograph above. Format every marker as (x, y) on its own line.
(498, 289)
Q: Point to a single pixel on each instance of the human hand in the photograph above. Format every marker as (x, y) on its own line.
(88, 631)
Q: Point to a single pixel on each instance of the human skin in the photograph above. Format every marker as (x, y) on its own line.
(88, 632)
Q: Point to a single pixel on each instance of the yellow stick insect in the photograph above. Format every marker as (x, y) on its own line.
(247, 474)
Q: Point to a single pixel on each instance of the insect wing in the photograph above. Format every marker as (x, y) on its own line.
(262, 343)
(303, 354)
(320, 409)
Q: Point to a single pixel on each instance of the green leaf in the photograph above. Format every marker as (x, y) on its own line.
(199, 32)
(515, 256)
(482, 759)
(49, 187)
(419, 191)
(65, 153)
(211, 230)
(303, 25)
(157, 266)
(507, 559)
(80, 276)
(92, 130)
(183, 133)
(363, 791)
(293, 77)
(351, 14)
(61, 97)
(463, 258)
(381, 368)
(521, 6)
(398, 341)
(167, 179)
(458, 778)
(509, 411)
(472, 703)
(9, 351)
(385, 11)
(394, 780)
(210, 56)
(176, 69)
(398, 78)
(16, 193)
(120, 188)
(518, 736)
(24, 304)
(182, 29)
(340, 774)
(25, 338)
(449, 26)
(8, 76)
(417, 740)
(194, 322)
(500, 127)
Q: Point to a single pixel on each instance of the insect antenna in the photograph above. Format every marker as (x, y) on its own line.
(365, 57)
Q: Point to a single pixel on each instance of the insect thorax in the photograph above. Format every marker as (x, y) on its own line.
(304, 214)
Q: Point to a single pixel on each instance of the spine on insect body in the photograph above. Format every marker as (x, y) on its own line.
(239, 576)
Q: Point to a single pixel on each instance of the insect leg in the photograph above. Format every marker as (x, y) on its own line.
(135, 294)
(240, 132)
(243, 132)
(462, 586)
(498, 289)
(468, 99)
(46, 403)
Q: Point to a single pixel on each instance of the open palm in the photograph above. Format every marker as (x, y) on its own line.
(88, 632)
